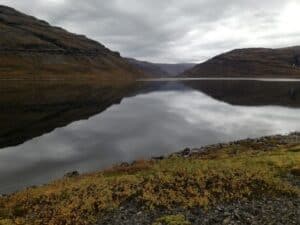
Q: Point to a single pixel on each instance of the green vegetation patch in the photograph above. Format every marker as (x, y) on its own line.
(198, 181)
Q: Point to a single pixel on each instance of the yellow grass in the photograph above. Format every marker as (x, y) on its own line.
(173, 182)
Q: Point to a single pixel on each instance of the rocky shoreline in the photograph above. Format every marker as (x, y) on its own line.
(267, 143)
(281, 211)
(252, 181)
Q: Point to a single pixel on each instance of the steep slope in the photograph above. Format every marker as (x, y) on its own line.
(255, 62)
(33, 47)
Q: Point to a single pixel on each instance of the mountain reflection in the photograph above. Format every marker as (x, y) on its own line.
(31, 109)
(28, 110)
(250, 93)
(98, 127)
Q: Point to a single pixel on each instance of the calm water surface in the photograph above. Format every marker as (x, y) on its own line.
(156, 120)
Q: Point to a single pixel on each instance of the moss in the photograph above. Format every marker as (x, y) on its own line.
(172, 220)
(199, 181)
(6, 222)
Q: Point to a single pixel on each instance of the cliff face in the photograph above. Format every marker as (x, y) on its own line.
(255, 62)
(29, 46)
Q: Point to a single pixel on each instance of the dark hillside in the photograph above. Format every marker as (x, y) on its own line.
(32, 47)
(254, 62)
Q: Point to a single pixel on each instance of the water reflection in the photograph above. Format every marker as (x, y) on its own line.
(30, 109)
(160, 120)
(251, 93)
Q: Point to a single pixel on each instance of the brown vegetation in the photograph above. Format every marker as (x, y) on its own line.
(254, 62)
(32, 49)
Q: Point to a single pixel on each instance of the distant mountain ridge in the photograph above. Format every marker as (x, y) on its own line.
(148, 68)
(160, 69)
(33, 47)
(251, 62)
(176, 69)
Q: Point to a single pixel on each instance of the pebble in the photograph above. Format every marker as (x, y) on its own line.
(283, 211)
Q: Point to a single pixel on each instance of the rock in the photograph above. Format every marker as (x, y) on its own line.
(259, 211)
(158, 158)
(125, 164)
(72, 174)
(226, 221)
(186, 152)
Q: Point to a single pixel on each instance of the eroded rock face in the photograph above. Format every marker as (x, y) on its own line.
(254, 62)
(29, 45)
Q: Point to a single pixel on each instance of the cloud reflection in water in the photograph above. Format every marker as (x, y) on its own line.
(140, 127)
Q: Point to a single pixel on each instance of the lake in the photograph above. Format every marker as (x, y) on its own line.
(45, 135)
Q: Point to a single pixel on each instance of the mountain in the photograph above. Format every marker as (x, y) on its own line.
(160, 69)
(148, 68)
(176, 69)
(252, 62)
(32, 47)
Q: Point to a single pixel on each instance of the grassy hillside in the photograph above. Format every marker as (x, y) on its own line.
(243, 171)
(33, 49)
(252, 62)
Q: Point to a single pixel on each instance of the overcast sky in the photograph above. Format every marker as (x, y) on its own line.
(173, 30)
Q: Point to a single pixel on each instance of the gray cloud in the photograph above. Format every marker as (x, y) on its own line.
(172, 30)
